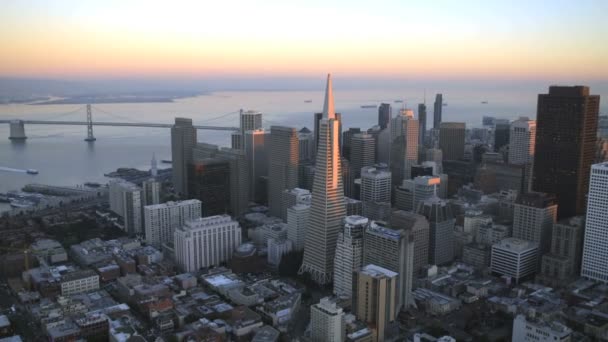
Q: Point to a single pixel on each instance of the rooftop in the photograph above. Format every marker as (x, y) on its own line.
(515, 245)
(377, 271)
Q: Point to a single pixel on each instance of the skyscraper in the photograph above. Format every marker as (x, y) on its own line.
(418, 225)
(297, 223)
(126, 202)
(566, 128)
(404, 147)
(595, 245)
(317, 121)
(306, 144)
(451, 140)
(441, 222)
(422, 123)
(239, 179)
(521, 141)
(376, 193)
(533, 218)
(150, 192)
(562, 264)
(183, 139)
(327, 208)
(251, 120)
(346, 141)
(392, 249)
(256, 145)
(349, 254)
(363, 150)
(375, 298)
(438, 107)
(385, 113)
(283, 166)
(209, 182)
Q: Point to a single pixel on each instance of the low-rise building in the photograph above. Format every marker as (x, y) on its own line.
(533, 330)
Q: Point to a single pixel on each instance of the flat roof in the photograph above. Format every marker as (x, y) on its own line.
(375, 270)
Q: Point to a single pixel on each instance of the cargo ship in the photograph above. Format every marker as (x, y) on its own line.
(31, 171)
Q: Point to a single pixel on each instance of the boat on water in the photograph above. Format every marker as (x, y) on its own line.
(398, 101)
(369, 106)
(307, 101)
(166, 161)
(31, 171)
(484, 102)
(92, 184)
(20, 203)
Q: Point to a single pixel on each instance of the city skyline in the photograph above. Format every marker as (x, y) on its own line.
(69, 39)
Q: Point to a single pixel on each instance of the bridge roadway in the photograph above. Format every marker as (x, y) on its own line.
(117, 124)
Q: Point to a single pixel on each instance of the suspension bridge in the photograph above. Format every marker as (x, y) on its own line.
(17, 126)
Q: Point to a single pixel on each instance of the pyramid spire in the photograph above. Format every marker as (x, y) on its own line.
(328, 108)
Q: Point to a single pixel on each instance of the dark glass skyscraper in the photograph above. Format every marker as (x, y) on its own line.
(566, 130)
(384, 115)
(438, 107)
(209, 182)
(422, 122)
(501, 135)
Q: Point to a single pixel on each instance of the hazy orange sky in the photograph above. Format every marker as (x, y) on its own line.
(470, 39)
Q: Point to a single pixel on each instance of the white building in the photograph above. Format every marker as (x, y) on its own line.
(595, 245)
(277, 248)
(537, 330)
(297, 223)
(79, 282)
(126, 202)
(349, 254)
(375, 192)
(206, 241)
(291, 197)
(522, 139)
(160, 220)
(327, 321)
(514, 258)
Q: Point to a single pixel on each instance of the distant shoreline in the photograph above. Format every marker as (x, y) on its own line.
(117, 99)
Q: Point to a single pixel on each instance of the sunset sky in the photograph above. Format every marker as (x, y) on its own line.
(190, 39)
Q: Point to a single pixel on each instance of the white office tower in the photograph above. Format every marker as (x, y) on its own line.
(404, 146)
(376, 193)
(392, 249)
(514, 258)
(327, 208)
(206, 241)
(250, 120)
(595, 246)
(537, 330)
(126, 202)
(291, 197)
(441, 223)
(522, 139)
(151, 192)
(413, 191)
(534, 214)
(256, 146)
(161, 220)
(276, 249)
(349, 254)
(327, 321)
(297, 224)
(153, 166)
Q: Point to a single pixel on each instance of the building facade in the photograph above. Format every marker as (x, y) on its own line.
(514, 258)
(160, 220)
(183, 139)
(441, 229)
(283, 166)
(349, 254)
(595, 245)
(451, 140)
(522, 141)
(327, 321)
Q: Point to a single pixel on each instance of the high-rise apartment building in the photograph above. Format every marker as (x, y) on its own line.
(206, 241)
(375, 298)
(326, 321)
(451, 140)
(126, 202)
(441, 224)
(385, 113)
(297, 223)
(256, 145)
(418, 225)
(283, 165)
(375, 193)
(183, 139)
(392, 249)
(595, 245)
(161, 220)
(522, 141)
(566, 128)
(422, 123)
(437, 108)
(533, 217)
(349, 254)
(328, 208)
